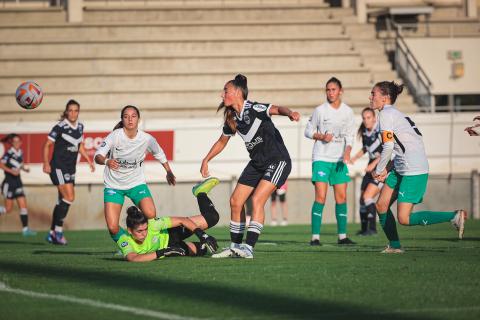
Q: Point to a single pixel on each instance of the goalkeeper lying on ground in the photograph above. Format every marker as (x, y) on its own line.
(152, 239)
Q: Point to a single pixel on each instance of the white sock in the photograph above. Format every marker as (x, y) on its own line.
(58, 229)
(342, 236)
(2, 210)
(25, 229)
(315, 237)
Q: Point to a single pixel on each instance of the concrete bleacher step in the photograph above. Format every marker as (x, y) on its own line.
(231, 12)
(168, 31)
(136, 3)
(136, 49)
(32, 15)
(180, 65)
(208, 81)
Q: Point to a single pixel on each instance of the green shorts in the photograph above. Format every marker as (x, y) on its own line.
(136, 194)
(410, 188)
(330, 172)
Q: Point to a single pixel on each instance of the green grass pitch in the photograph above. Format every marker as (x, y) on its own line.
(437, 278)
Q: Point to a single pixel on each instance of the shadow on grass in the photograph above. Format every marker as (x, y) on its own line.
(241, 300)
(458, 240)
(26, 242)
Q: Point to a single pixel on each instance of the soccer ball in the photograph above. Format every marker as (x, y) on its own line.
(29, 95)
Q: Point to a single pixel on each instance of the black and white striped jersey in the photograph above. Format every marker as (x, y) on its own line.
(13, 159)
(372, 142)
(262, 140)
(67, 139)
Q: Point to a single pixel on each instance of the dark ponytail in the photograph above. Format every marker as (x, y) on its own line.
(361, 129)
(70, 102)
(9, 138)
(120, 123)
(239, 82)
(390, 89)
(135, 217)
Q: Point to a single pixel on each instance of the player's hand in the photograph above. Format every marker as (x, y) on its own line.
(294, 116)
(380, 177)
(204, 169)
(46, 168)
(25, 168)
(476, 118)
(207, 240)
(171, 179)
(471, 131)
(112, 164)
(346, 158)
(92, 167)
(15, 172)
(327, 137)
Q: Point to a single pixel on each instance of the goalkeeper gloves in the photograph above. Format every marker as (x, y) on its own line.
(206, 240)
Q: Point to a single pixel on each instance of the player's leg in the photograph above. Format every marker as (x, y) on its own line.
(321, 189)
(363, 209)
(112, 205)
(283, 205)
(142, 198)
(22, 205)
(66, 196)
(339, 178)
(385, 215)
(209, 216)
(411, 192)
(368, 196)
(7, 193)
(273, 208)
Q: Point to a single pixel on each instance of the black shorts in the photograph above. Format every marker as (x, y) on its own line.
(62, 176)
(367, 179)
(276, 172)
(177, 236)
(282, 197)
(12, 189)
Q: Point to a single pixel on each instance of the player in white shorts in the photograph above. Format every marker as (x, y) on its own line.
(331, 126)
(410, 174)
(123, 152)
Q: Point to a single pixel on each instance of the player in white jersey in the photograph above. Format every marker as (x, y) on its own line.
(331, 126)
(123, 152)
(410, 174)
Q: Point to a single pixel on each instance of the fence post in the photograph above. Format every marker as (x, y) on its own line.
(475, 210)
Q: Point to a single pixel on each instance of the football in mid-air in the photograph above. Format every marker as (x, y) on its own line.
(29, 95)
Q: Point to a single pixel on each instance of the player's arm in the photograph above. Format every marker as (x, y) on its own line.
(4, 167)
(373, 164)
(100, 156)
(204, 238)
(386, 126)
(150, 256)
(158, 153)
(284, 111)
(46, 155)
(83, 152)
(312, 130)
(141, 257)
(217, 147)
(357, 155)
(349, 138)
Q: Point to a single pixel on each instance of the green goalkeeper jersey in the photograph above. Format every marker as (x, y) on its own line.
(157, 238)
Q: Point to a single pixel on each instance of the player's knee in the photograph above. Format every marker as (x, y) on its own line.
(404, 220)
(113, 229)
(381, 207)
(211, 217)
(257, 202)
(69, 198)
(235, 204)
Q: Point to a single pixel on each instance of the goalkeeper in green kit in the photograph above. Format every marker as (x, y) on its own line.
(151, 239)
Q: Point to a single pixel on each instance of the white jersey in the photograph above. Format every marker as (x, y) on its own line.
(339, 122)
(400, 134)
(130, 154)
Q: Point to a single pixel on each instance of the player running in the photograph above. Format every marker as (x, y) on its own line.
(269, 164)
(66, 137)
(123, 152)
(410, 174)
(12, 186)
(369, 132)
(150, 239)
(332, 127)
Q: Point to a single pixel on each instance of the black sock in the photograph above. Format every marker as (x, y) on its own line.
(207, 209)
(363, 218)
(24, 217)
(254, 230)
(372, 217)
(59, 213)
(236, 231)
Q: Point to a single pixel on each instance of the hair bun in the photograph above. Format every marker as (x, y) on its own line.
(132, 210)
(241, 80)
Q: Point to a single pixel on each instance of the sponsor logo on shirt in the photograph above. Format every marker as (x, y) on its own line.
(250, 145)
(124, 244)
(129, 165)
(259, 107)
(155, 239)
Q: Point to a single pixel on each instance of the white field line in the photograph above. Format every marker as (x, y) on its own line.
(94, 303)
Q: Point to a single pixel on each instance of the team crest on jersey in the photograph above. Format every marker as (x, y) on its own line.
(246, 118)
(259, 107)
(124, 244)
(67, 176)
(155, 239)
(103, 144)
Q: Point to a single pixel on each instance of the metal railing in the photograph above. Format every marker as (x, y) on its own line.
(410, 70)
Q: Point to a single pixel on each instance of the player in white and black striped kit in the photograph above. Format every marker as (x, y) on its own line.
(268, 168)
(12, 186)
(67, 140)
(369, 132)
